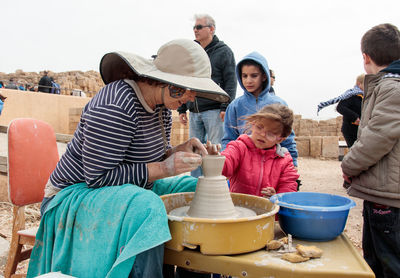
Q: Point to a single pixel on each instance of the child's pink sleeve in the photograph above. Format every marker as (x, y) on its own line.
(289, 175)
(232, 159)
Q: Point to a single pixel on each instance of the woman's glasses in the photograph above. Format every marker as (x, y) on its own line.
(176, 92)
(199, 26)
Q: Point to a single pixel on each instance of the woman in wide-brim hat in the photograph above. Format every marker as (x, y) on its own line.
(122, 139)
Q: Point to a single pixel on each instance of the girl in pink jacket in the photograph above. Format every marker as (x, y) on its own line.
(255, 163)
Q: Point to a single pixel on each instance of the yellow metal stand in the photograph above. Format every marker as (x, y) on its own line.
(340, 259)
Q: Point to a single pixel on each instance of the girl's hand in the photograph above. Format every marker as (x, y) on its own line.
(268, 191)
(212, 148)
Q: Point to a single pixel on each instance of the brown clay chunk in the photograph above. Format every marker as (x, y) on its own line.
(309, 251)
(284, 240)
(294, 257)
(274, 244)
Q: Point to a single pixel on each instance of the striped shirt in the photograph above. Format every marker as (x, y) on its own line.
(116, 137)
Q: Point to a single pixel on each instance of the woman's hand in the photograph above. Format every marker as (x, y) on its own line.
(181, 162)
(193, 145)
(268, 191)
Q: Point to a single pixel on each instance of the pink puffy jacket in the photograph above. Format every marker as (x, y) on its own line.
(250, 169)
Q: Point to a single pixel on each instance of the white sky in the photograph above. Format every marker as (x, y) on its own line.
(312, 45)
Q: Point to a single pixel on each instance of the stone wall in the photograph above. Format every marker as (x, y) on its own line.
(318, 138)
(90, 81)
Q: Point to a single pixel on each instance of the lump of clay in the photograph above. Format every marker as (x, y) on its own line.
(284, 240)
(274, 244)
(294, 257)
(309, 251)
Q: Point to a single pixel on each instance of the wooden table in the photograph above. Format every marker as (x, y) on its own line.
(340, 259)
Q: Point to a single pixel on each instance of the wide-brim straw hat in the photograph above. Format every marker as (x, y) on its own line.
(182, 63)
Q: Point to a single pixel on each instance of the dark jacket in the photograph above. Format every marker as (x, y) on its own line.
(44, 84)
(351, 110)
(222, 72)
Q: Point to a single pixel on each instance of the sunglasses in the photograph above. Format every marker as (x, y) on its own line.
(199, 26)
(272, 76)
(176, 92)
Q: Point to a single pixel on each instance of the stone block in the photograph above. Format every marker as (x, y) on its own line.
(303, 145)
(315, 146)
(330, 146)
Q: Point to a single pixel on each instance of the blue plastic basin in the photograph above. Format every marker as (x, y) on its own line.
(312, 216)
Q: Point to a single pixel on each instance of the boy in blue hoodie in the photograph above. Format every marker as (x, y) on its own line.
(253, 75)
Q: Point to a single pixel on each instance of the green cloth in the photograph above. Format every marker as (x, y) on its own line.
(87, 232)
(174, 185)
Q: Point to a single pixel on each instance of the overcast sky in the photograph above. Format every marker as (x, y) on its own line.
(313, 46)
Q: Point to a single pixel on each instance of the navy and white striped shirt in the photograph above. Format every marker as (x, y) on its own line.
(115, 139)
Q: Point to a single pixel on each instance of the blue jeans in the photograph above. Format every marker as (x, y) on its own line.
(205, 126)
(381, 239)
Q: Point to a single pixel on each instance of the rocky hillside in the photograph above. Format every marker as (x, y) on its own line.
(90, 81)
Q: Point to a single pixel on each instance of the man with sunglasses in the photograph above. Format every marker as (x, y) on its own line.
(207, 116)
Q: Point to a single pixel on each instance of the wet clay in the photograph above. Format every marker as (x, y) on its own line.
(212, 198)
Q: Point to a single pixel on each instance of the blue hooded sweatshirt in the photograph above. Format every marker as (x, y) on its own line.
(248, 104)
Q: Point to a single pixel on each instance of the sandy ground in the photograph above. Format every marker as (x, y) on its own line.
(317, 176)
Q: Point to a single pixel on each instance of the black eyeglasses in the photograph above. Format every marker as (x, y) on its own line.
(272, 76)
(176, 92)
(199, 26)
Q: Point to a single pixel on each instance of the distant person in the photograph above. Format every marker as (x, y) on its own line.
(45, 83)
(2, 100)
(372, 165)
(356, 90)
(249, 156)
(272, 75)
(12, 84)
(2, 84)
(21, 87)
(207, 116)
(55, 87)
(253, 76)
(350, 108)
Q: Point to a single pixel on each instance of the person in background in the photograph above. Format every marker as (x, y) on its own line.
(253, 75)
(45, 83)
(121, 146)
(350, 108)
(2, 100)
(356, 90)
(272, 75)
(372, 164)
(255, 162)
(55, 87)
(12, 85)
(207, 116)
(2, 84)
(21, 87)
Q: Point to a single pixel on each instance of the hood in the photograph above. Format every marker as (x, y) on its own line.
(393, 67)
(257, 57)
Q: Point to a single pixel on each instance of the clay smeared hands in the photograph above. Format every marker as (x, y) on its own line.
(268, 191)
(181, 162)
(193, 145)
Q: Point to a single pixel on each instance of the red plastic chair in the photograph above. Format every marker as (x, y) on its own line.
(32, 156)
